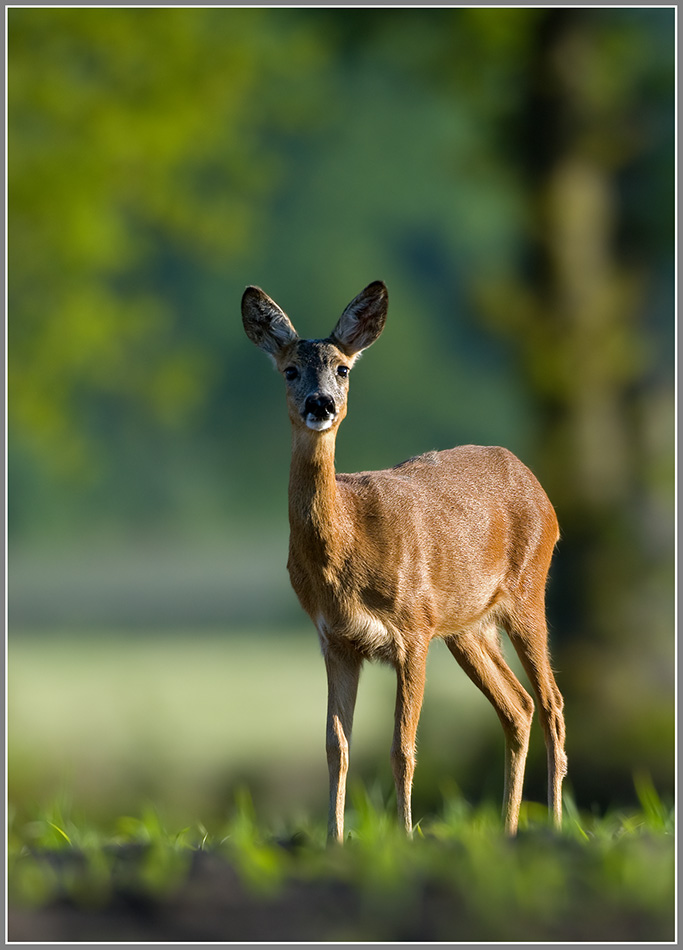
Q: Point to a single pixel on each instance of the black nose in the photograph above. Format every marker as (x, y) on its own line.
(319, 406)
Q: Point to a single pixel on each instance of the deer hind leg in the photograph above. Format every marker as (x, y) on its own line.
(480, 656)
(530, 639)
(343, 673)
(410, 682)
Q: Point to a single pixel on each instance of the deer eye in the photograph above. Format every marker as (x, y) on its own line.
(343, 371)
(291, 373)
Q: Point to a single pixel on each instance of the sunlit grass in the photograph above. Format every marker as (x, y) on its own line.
(530, 887)
(129, 761)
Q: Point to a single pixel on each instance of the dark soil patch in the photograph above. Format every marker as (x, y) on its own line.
(213, 903)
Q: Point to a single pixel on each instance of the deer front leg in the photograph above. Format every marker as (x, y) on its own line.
(410, 681)
(343, 672)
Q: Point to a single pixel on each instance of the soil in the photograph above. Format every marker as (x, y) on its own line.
(214, 905)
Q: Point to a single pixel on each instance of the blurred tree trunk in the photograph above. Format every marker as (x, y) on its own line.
(578, 320)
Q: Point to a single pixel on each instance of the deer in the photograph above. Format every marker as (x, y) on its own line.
(453, 544)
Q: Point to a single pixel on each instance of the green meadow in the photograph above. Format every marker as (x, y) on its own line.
(186, 775)
(608, 878)
(186, 719)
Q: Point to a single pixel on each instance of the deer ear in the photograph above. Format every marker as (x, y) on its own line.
(363, 320)
(265, 323)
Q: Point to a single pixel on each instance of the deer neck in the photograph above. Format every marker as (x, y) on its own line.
(315, 504)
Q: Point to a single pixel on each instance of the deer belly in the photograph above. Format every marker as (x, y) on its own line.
(362, 631)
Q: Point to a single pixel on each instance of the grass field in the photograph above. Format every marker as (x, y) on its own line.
(174, 789)
(183, 720)
(459, 879)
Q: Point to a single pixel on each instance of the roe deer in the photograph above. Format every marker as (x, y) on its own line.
(450, 544)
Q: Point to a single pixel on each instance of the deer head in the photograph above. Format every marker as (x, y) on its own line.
(316, 372)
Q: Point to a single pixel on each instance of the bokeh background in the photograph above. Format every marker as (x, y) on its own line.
(510, 174)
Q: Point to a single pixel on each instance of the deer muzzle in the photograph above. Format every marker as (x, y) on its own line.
(319, 411)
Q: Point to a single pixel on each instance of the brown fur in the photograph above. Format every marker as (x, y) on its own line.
(450, 544)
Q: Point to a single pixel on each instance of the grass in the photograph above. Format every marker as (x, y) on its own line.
(116, 718)
(608, 877)
(139, 745)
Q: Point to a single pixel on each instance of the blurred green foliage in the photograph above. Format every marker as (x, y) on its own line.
(508, 172)
(133, 139)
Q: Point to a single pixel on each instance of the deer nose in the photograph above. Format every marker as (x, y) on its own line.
(319, 405)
